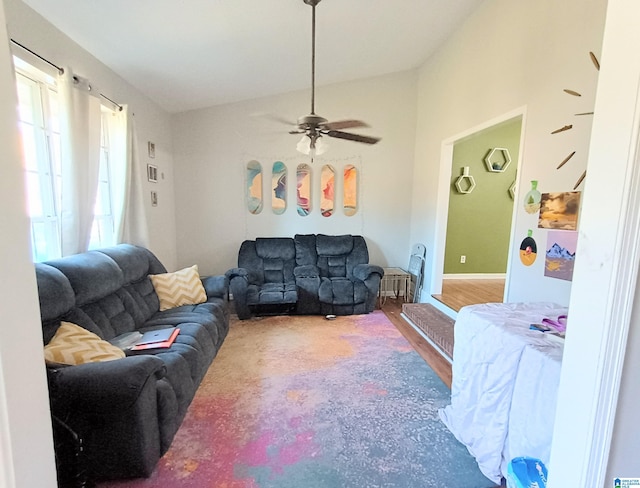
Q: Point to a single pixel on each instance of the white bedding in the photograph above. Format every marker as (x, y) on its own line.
(505, 381)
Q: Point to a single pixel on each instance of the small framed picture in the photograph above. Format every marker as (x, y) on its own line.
(154, 198)
(152, 173)
(152, 149)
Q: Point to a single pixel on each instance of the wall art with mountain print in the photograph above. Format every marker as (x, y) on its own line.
(561, 254)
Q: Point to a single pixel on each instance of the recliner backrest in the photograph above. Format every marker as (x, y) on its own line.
(335, 256)
(137, 263)
(268, 259)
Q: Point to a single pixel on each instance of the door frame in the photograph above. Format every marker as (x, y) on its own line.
(444, 190)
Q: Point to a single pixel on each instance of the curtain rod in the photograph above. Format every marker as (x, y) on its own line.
(60, 70)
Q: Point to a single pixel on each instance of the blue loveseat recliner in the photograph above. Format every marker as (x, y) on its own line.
(309, 274)
(125, 411)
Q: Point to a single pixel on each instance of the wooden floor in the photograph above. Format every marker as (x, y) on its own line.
(459, 293)
(392, 309)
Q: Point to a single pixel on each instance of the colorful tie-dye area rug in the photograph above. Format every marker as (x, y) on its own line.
(305, 402)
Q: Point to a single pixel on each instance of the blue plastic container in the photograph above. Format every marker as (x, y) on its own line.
(526, 472)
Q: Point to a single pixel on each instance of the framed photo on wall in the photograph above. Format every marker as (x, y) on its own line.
(152, 173)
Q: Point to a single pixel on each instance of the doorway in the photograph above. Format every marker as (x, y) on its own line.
(475, 217)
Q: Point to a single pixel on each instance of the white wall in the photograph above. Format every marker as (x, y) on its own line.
(26, 447)
(212, 147)
(508, 55)
(152, 123)
(596, 437)
(625, 444)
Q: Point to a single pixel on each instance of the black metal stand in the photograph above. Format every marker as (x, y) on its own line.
(70, 462)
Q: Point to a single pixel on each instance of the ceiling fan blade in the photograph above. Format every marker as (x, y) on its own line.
(274, 118)
(344, 124)
(352, 137)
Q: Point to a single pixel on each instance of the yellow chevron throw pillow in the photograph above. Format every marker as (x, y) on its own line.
(179, 288)
(72, 344)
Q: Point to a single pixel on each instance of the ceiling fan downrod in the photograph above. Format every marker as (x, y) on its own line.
(313, 4)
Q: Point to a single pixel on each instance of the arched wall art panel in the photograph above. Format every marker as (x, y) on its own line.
(279, 188)
(327, 187)
(254, 187)
(350, 189)
(303, 189)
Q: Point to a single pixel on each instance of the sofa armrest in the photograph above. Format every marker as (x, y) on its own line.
(364, 271)
(370, 275)
(238, 284)
(216, 286)
(236, 272)
(306, 271)
(113, 407)
(103, 387)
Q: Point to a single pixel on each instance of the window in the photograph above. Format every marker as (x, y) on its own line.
(38, 122)
(40, 130)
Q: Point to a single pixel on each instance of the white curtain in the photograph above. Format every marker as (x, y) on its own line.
(129, 215)
(80, 163)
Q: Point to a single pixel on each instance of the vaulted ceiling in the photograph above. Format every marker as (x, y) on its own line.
(191, 54)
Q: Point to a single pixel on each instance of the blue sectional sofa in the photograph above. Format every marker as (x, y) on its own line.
(308, 274)
(125, 411)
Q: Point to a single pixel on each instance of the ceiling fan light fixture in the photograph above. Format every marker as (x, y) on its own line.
(312, 146)
(303, 145)
(321, 146)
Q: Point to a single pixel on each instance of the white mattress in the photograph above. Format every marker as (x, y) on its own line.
(505, 382)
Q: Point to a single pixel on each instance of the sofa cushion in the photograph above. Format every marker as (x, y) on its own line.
(82, 269)
(275, 271)
(135, 262)
(115, 314)
(54, 291)
(281, 248)
(334, 245)
(342, 291)
(277, 293)
(181, 287)
(333, 266)
(73, 345)
(214, 316)
(145, 297)
(306, 253)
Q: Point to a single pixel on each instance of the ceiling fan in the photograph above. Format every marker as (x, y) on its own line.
(313, 126)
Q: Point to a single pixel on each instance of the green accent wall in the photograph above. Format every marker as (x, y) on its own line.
(479, 223)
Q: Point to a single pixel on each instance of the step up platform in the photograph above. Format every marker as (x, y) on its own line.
(434, 325)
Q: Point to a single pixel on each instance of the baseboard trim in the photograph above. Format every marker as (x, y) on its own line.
(475, 276)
